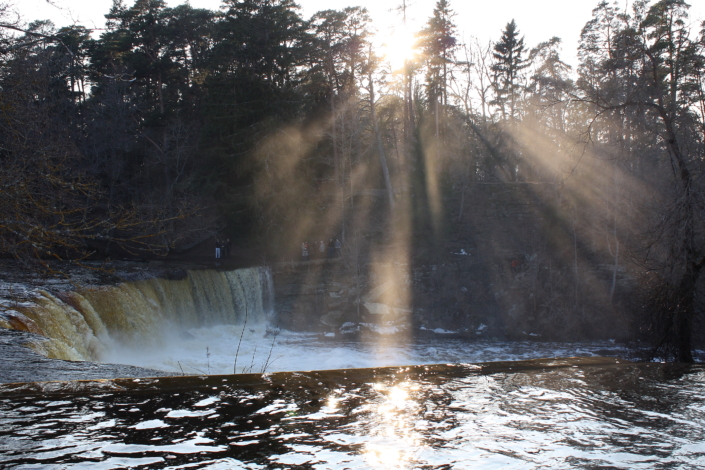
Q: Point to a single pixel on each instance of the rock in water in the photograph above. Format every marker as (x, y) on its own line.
(333, 319)
(377, 308)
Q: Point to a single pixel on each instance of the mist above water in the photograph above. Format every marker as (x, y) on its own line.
(219, 350)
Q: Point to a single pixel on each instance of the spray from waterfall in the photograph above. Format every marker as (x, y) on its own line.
(104, 323)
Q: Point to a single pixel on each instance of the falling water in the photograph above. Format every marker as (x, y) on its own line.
(93, 323)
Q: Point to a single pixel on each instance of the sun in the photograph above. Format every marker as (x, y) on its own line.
(398, 46)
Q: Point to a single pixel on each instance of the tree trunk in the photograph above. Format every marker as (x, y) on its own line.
(380, 145)
(683, 307)
(684, 317)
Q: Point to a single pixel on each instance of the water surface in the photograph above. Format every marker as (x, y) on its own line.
(221, 349)
(571, 413)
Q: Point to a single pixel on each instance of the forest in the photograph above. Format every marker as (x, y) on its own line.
(177, 125)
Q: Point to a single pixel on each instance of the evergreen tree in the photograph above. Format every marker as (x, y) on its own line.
(509, 62)
(550, 84)
(439, 43)
(654, 66)
(253, 75)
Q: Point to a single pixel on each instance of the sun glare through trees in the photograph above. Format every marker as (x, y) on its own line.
(568, 199)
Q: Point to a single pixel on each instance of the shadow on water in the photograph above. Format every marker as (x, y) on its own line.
(547, 413)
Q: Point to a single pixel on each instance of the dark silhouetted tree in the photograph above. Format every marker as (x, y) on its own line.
(508, 65)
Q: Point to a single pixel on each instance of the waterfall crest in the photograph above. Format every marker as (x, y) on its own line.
(84, 324)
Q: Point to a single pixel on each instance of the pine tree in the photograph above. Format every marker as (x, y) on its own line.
(653, 67)
(439, 43)
(509, 62)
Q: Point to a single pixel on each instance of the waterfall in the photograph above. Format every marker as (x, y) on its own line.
(84, 324)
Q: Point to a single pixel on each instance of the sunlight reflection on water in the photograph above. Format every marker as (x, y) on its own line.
(573, 413)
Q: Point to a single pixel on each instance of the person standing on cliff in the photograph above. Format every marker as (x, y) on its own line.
(227, 245)
(304, 251)
(338, 247)
(217, 248)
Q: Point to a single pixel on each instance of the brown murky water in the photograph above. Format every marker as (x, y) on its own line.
(569, 413)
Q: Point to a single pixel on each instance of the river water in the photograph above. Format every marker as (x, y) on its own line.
(561, 413)
(223, 349)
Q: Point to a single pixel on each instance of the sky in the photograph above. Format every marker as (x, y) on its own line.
(538, 20)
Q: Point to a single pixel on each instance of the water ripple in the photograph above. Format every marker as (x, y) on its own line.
(528, 415)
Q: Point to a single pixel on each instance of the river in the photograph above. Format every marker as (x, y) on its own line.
(558, 413)
(397, 399)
